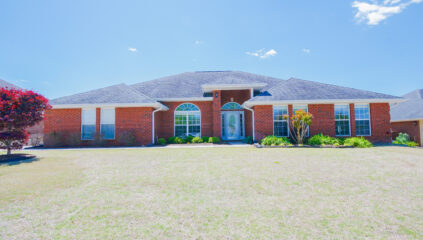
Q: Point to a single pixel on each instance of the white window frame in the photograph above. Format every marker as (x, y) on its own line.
(273, 119)
(82, 122)
(114, 121)
(301, 107)
(370, 119)
(349, 118)
(187, 119)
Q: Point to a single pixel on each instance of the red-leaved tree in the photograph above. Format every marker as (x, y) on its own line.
(19, 109)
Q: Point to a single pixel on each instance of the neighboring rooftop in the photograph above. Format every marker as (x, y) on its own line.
(4, 84)
(412, 109)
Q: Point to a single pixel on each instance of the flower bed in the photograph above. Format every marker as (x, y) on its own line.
(316, 141)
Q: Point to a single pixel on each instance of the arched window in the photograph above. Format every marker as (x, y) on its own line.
(231, 106)
(187, 120)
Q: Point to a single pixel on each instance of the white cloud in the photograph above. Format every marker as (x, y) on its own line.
(373, 13)
(306, 50)
(262, 54)
(198, 42)
(132, 49)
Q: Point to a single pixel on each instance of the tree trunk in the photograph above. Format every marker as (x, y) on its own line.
(9, 151)
(299, 138)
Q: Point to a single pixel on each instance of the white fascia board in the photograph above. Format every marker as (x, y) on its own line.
(211, 87)
(109, 105)
(325, 101)
(199, 99)
(407, 120)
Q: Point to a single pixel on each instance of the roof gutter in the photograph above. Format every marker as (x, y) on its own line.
(324, 101)
(252, 114)
(153, 121)
(156, 105)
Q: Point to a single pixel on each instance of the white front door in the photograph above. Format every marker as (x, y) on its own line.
(232, 125)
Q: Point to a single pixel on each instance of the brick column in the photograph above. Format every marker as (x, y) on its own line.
(352, 119)
(97, 121)
(216, 113)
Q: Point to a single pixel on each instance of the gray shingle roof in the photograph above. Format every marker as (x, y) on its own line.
(188, 85)
(298, 89)
(412, 109)
(120, 93)
(4, 84)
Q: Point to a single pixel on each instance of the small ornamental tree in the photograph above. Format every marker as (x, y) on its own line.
(299, 125)
(19, 109)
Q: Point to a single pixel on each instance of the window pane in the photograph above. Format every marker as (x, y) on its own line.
(180, 119)
(194, 131)
(194, 119)
(88, 116)
(362, 112)
(231, 106)
(108, 131)
(88, 132)
(342, 112)
(107, 116)
(296, 108)
(187, 107)
(279, 111)
(280, 128)
(180, 131)
(362, 127)
(342, 128)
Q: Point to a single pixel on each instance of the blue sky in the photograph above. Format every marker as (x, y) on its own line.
(64, 47)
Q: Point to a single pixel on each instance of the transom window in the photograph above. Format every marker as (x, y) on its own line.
(280, 125)
(362, 119)
(305, 109)
(187, 120)
(231, 106)
(342, 120)
(88, 122)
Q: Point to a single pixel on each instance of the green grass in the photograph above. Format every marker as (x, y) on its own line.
(214, 193)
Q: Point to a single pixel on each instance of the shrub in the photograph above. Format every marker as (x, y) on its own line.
(188, 138)
(402, 138)
(161, 141)
(360, 142)
(205, 139)
(197, 140)
(179, 140)
(214, 140)
(276, 141)
(411, 144)
(320, 139)
(248, 140)
(171, 140)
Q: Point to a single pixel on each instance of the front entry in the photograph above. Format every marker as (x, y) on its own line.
(233, 125)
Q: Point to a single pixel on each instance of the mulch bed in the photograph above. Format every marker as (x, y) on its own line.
(303, 146)
(15, 157)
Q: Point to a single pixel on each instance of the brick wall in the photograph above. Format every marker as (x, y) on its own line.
(133, 126)
(263, 116)
(216, 121)
(412, 128)
(324, 120)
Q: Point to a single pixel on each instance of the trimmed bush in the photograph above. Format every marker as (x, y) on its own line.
(411, 144)
(188, 139)
(205, 139)
(171, 140)
(248, 140)
(214, 140)
(276, 141)
(197, 140)
(161, 141)
(360, 142)
(320, 139)
(404, 139)
(179, 140)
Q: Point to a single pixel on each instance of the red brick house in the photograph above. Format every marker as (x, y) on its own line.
(227, 104)
(407, 117)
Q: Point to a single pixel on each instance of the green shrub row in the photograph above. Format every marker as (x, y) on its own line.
(188, 139)
(276, 141)
(319, 140)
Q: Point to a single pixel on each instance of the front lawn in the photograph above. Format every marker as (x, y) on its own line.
(214, 193)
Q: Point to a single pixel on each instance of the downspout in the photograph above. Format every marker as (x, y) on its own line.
(154, 130)
(252, 114)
